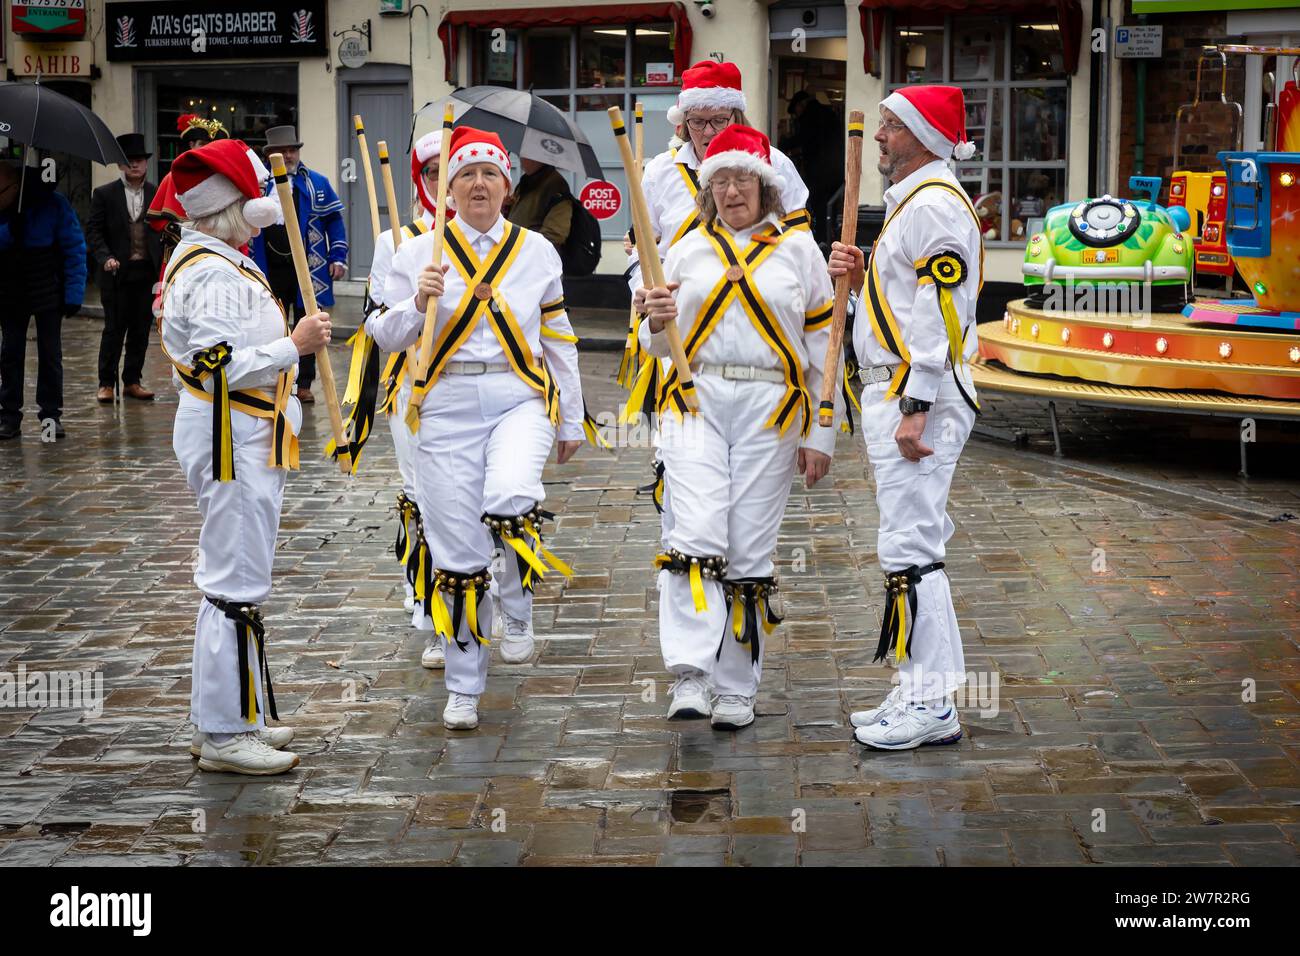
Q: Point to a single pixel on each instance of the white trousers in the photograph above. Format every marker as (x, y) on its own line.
(730, 478)
(912, 498)
(240, 520)
(483, 442)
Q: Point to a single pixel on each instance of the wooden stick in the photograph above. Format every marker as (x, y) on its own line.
(439, 225)
(640, 165)
(370, 174)
(285, 191)
(395, 221)
(652, 271)
(848, 236)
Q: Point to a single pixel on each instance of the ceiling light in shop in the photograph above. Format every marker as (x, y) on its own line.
(640, 31)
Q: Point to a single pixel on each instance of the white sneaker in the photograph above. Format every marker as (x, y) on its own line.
(906, 728)
(461, 712)
(408, 603)
(731, 712)
(865, 718)
(247, 754)
(276, 738)
(690, 697)
(435, 655)
(517, 641)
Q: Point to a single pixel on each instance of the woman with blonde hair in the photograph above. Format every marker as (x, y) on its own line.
(235, 437)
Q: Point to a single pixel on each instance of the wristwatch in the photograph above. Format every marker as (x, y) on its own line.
(910, 406)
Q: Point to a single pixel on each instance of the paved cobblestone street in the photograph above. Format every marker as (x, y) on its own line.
(1147, 712)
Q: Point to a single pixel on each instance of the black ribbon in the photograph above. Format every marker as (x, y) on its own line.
(457, 584)
(655, 488)
(248, 618)
(752, 591)
(900, 586)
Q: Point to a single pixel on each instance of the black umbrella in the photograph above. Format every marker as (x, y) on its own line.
(527, 125)
(37, 116)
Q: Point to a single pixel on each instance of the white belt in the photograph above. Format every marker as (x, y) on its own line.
(876, 373)
(742, 373)
(475, 368)
(883, 373)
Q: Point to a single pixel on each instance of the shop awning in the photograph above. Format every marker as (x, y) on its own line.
(618, 14)
(1069, 17)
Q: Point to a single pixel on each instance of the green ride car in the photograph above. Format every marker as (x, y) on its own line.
(1111, 254)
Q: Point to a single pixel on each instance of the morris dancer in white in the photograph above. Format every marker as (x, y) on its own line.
(711, 100)
(235, 435)
(504, 378)
(411, 548)
(756, 304)
(914, 334)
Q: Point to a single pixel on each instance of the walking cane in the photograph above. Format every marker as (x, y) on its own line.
(285, 192)
(431, 307)
(848, 235)
(647, 252)
(395, 220)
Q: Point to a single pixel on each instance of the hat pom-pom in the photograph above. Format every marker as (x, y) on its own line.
(964, 150)
(675, 115)
(263, 212)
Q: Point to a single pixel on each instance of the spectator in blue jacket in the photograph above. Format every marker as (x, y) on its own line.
(320, 220)
(42, 274)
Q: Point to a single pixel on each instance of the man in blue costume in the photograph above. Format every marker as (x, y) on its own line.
(320, 219)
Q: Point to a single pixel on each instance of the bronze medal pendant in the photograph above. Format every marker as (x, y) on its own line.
(734, 274)
(483, 292)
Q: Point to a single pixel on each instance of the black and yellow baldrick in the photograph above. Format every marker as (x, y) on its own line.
(235, 438)
(711, 94)
(502, 384)
(914, 335)
(754, 310)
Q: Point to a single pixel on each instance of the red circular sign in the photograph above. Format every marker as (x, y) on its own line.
(600, 198)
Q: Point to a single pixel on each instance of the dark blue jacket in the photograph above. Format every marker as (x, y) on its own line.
(43, 250)
(320, 220)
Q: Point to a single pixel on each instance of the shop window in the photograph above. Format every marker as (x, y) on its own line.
(1013, 76)
(583, 71)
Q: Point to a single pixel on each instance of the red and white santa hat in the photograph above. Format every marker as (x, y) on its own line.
(708, 85)
(470, 146)
(224, 172)
(740, 147)
(426, 147)
(936, 115)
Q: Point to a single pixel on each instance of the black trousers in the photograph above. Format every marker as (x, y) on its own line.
(49, 370)
(128, 315)
(286, 290)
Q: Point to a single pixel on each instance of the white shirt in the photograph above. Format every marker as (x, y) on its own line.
(533, 278)
(792, 281)
(934, 221)
(382, 261)
(670, 202)
(212, 302)
(134, 200)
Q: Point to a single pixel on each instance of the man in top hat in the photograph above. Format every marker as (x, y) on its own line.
(320, 218)
(129, 254)
(914, 336)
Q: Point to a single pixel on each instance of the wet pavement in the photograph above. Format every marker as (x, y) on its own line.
(1136, 604)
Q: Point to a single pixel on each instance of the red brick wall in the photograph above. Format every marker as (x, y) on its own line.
(1171, 82)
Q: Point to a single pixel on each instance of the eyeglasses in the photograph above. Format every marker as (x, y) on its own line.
(430, 173)
(892, 127)
(699, 124)
(742, 181)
